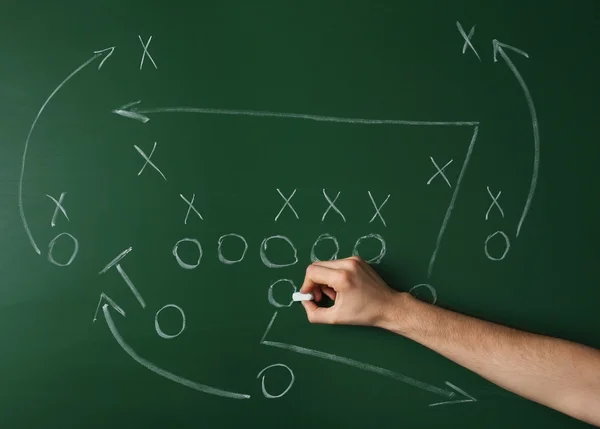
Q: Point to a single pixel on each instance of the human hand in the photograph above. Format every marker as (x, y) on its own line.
(360, 296)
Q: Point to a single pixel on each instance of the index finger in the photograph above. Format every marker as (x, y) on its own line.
(317, 275)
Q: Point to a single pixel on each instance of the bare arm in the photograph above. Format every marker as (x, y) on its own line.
(559, 374)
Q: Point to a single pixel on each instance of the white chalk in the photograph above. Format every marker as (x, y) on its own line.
(297, 296)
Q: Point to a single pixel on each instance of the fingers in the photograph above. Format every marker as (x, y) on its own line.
(330, 292)
(316, 314)
(340, 264)
(317, 275)
(309, 286)
(317, 293)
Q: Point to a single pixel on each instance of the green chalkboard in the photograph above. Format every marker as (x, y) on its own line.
(169, 169)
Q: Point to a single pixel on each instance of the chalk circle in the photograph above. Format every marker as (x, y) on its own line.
(160, 332)
(377, 259)
(51, 249)
(430, 288)
(264, 390)
(506, 246)
(220, 252)
(176, 253)
(322, 237)
(272, 300)
(263, 250)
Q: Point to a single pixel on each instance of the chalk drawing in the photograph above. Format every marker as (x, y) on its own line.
(286, 204)
(378, 208)
(272, 299)
(264, 390)
(180, 261)
(467, 39)
(269, 326)
(146, 53)
(97, 54)
(51, 249)
(140, 115)
(452, 202)
(322, 237)
(158, 329)
(494, 203)
(116, 260)
(362, 366)
(430, 288)
(132, 288)
(267, 261)
(332, 206)
(147, 158)
(506, 246)
(123, 111)
(220, 251)
(499, 48)
(104, 297)
(376, 259)
(115, 263)
(106, 57)
(469, 398)
(440, 171)
(163, 373)
(190, 207)
(58, 207)
(450, 394)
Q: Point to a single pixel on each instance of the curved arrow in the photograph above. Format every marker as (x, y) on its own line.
(97, 54)
(499, 48)
(169, 375)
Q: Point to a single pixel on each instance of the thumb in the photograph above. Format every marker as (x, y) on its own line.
(316, 314)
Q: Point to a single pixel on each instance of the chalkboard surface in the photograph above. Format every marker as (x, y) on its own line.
(169, 169)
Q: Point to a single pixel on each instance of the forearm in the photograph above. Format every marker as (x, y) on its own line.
(557, 373)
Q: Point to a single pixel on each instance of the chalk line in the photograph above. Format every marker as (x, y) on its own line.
(139, 114)
(164, 373)
(360, 365)
(498, 47)
(37, 117)
(452, 201)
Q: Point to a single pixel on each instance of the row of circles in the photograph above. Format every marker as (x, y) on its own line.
(190, 265)
(264, 257)
(264, 246)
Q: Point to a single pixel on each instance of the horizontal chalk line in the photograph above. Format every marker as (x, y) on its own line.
(318, 118)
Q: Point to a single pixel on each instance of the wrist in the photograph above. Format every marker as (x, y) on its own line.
(396, 314)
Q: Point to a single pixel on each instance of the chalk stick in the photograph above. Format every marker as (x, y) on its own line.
(297, 296)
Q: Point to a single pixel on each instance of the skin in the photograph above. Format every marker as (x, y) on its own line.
(557, 373)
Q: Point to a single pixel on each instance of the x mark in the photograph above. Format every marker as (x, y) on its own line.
(146, 53)
(332, 206)
(467, 39)
(286, 204)
(440, 171)
(378, 209)
(58, 207)
(190, 208)
(147, 158)
(494, 203)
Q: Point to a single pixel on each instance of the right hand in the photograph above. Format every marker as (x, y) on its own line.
(360, 296)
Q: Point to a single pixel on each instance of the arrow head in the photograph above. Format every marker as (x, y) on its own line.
(498, 47)
(459, 396)
(109, 301)
(109, 52)
(128, 111)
